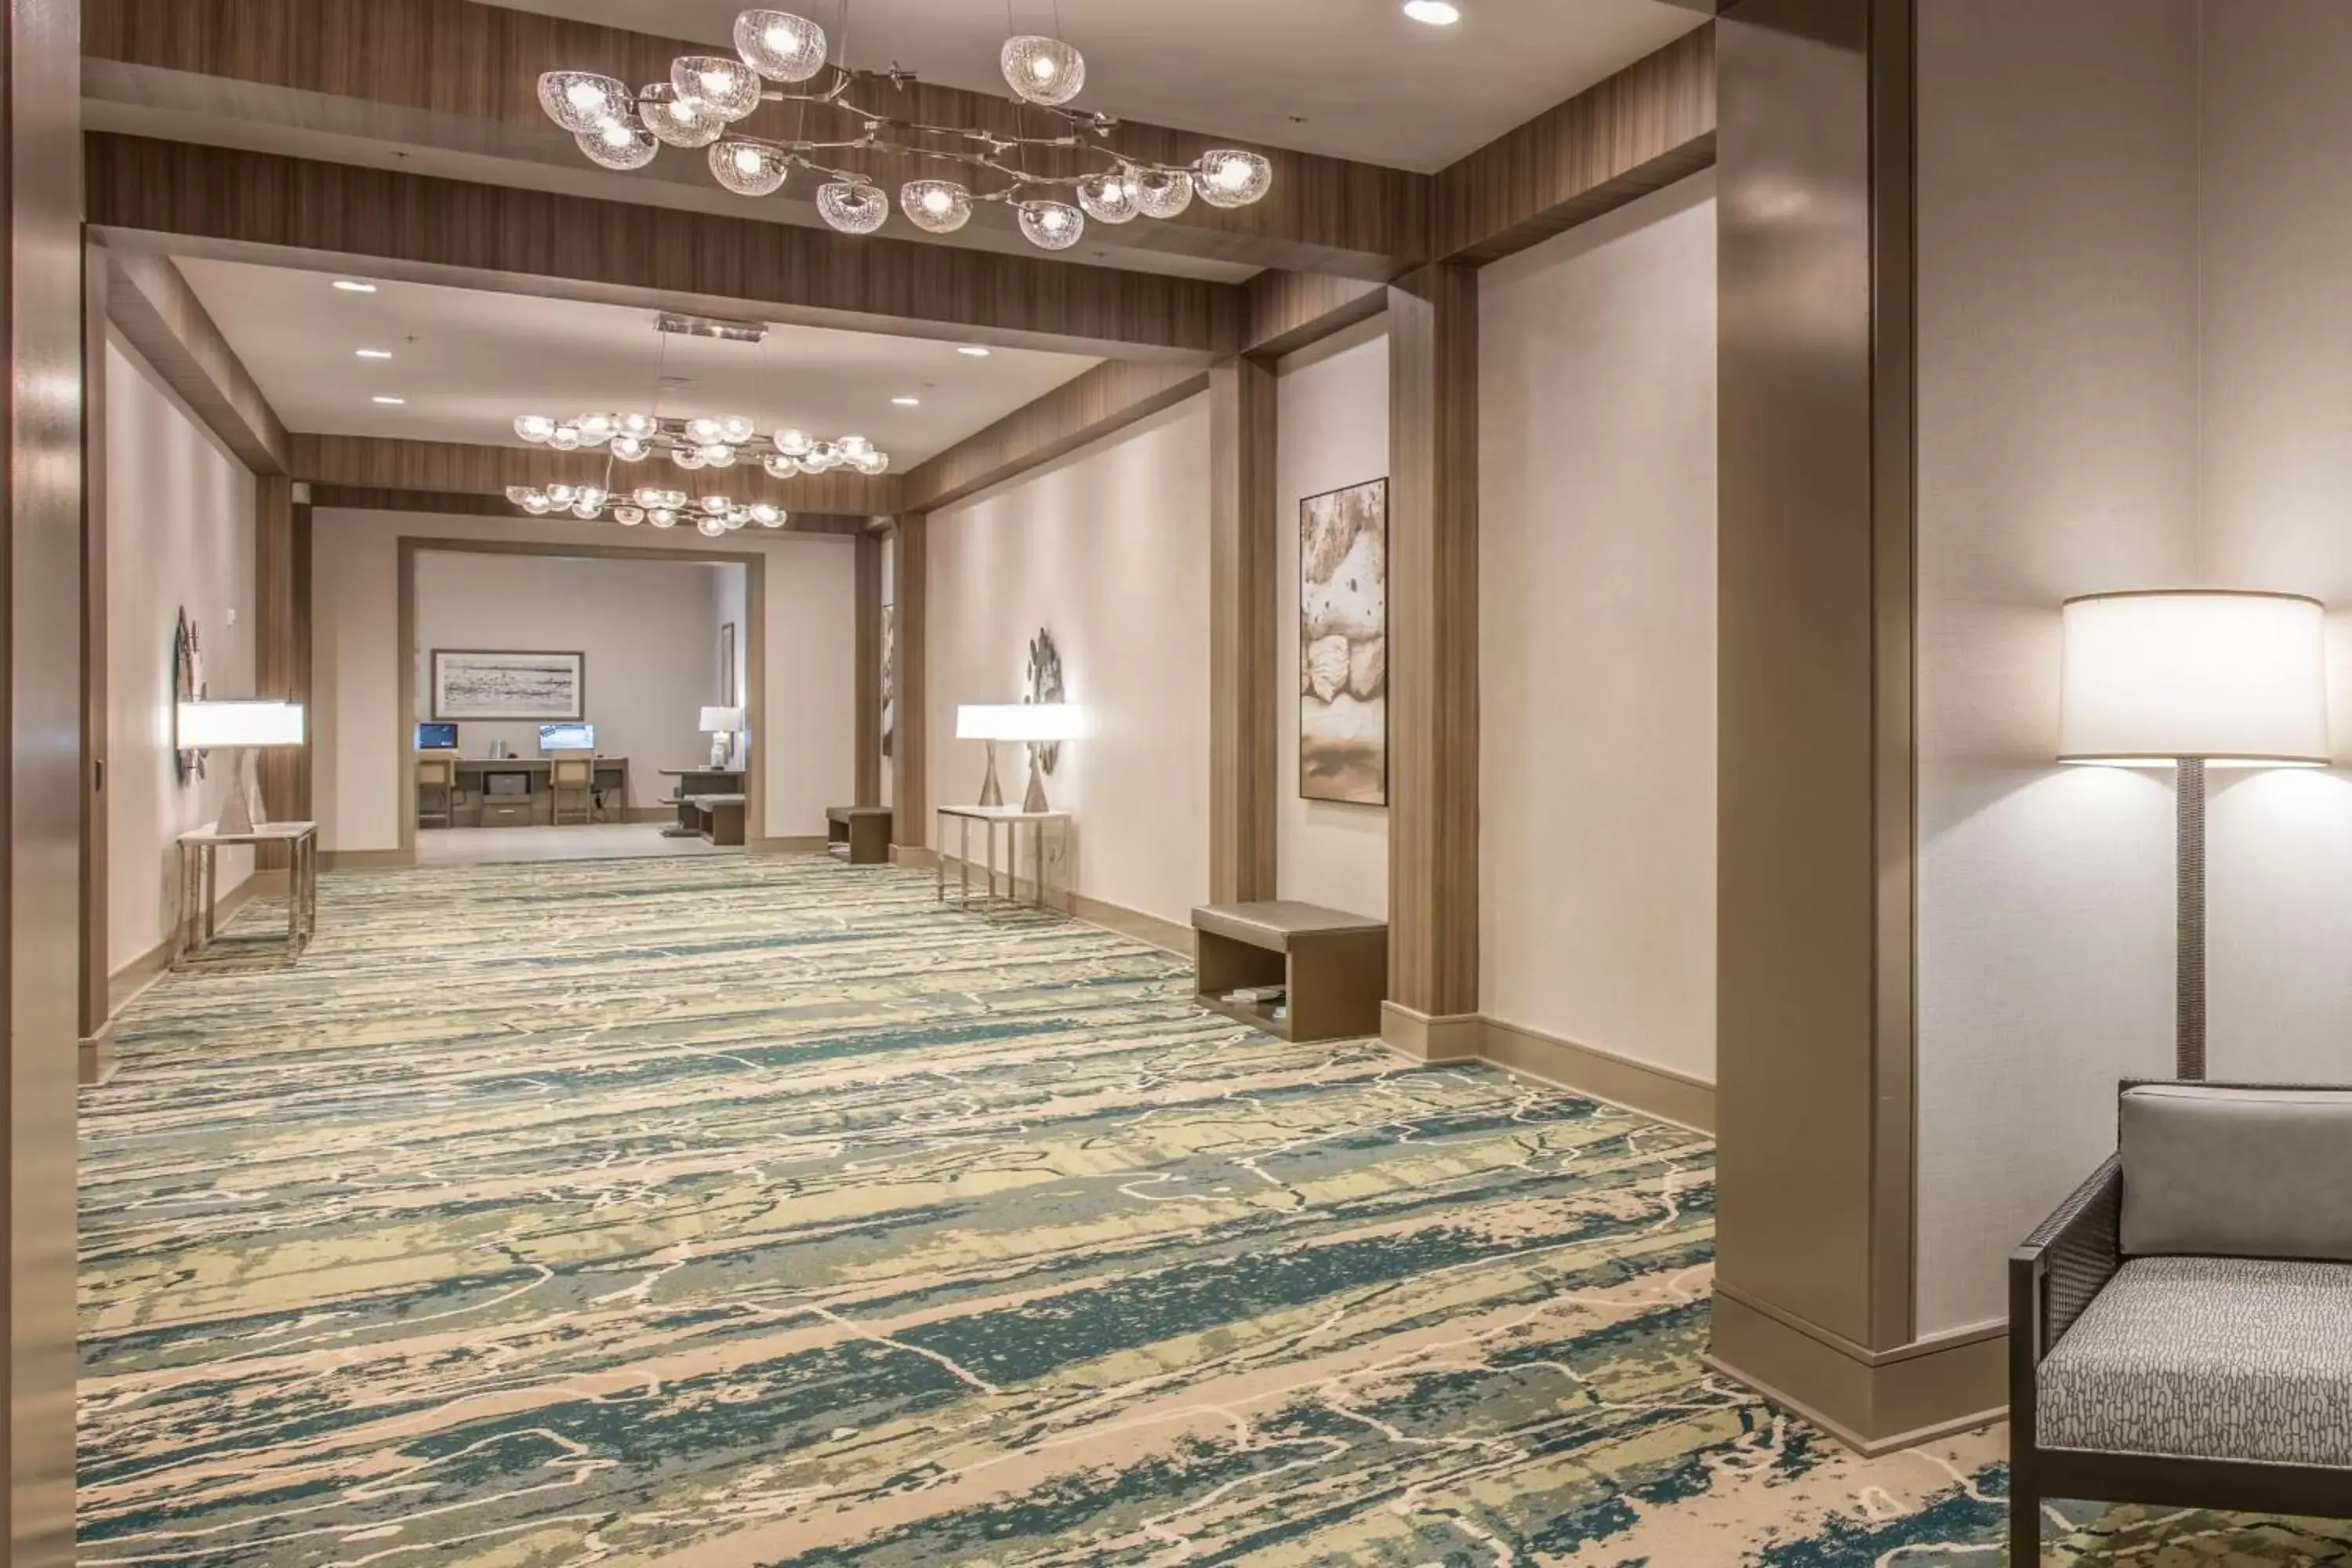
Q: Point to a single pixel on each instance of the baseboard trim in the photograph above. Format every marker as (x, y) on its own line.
(1561, 1063)
(1875, 1403)
(913, 857)
(367, 860)
(95, 1057)
(1457, 1037)
(1165, 934)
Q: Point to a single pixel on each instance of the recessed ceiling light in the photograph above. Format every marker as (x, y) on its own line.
(908, 402)
(1436, 13)
(973, 350)
(391, 402)
(353, 286)
(373, 353)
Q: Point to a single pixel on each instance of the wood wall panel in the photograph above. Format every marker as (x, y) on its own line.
(454, 503)
(1434, 642)
(152, 306)
(216, 201)
(1242, 632)
(1642, 129)
(281, 641)
(869, 634)
(41, 283)
(467, 62)
(96, 962)
(910, 596)
(1288, 310)
(375, 462)
(1109, 397)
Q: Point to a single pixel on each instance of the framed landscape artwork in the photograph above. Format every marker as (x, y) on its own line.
(544, 688)
(1343, 645)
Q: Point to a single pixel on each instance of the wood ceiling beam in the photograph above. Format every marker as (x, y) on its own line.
(1288, 310)
(1641, 130)
(441, 503)
(1109, 397)
(195, 200)
(151, 304)
(372, 463)
(450, 79)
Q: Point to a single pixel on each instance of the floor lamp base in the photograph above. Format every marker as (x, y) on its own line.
(2189, 982)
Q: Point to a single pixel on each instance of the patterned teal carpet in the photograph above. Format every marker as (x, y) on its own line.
(741, 1211)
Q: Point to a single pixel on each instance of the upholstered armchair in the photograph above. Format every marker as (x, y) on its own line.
(2180, 1331)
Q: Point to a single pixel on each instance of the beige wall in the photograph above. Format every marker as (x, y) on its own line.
(808, 734)
(179, 532)
(1597, 657)
(1108, 549)
(1332, 430)
(649, 632)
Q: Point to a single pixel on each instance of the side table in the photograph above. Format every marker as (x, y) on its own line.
(200, 876)
(1012, 819)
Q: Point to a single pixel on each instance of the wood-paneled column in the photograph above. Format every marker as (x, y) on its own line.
(868, 789)
(281, 643)
(97, 961)
(1243, 688)
(1432, 659)
(911, 810)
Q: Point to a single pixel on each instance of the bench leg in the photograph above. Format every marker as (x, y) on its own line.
(2025, 1523)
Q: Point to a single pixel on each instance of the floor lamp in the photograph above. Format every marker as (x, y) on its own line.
(240, 727)
(2191, 679)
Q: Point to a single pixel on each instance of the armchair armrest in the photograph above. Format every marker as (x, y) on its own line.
(2068, 1259)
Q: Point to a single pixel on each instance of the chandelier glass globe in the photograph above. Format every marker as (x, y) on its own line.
(1109, 199)
(629, 448)
(618, 144)
(935, 206)
(564, 438)
(735, 429)
(641, 426)
(1163, 193)
(749, 168)
(716, 506)
(1042, 70)
(687, 457)
(780, 46)
(851, 206)
(560, 494)
(628, 516)
(766, 515)
(535, 427)
(583, 100)
(719, 455)
(1051, 225)
(682, 124)
(661, 517)
(710, 527)
(729, 88)
(779, 465)
(536, 504)
(702, 432)
(1232, 178)
(794, 443)
(595, 429)
(873, 464)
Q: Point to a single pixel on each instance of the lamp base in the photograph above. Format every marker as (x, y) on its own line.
(991, 792)
(1037, 802)
(243, 810)
(2188, 994)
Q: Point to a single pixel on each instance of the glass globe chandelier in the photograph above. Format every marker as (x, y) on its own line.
(650, 505)
(708, 97)
(689, 443)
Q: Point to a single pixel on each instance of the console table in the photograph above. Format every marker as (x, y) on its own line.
(200, 880)
(512, 791)
(1334, 966)
(858, 834)
(1012, 819)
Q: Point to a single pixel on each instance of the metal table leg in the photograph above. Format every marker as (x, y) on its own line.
(963, 857)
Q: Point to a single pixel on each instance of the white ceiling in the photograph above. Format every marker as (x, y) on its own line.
(467, 361)
(1353, 78)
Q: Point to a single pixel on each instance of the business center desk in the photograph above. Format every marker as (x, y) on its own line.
(512, 791)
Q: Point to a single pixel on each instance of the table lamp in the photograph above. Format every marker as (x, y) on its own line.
(985, 723)
(723, 724)
(240, 727)
(1041, 725)
(2188, 679)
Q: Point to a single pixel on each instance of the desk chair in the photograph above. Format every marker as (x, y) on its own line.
(436, 792)
(572, 776)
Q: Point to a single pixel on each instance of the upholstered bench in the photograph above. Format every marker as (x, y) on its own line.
(2181, 1328)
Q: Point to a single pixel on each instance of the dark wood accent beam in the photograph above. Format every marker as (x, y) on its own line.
(910, 744)
(1288, 310)
(868, 786)
(1637, 131)
(256, 206)
(152, 305)
(97, 967)
(1433, 648)
(453, 76)
(1085, 409)
(1243, 676)
(454, 468)
(281, 645)
(457, 503)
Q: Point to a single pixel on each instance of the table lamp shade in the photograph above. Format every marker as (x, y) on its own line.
(2237, 680)
(1021, 721)
(204, 725)
(722, 720)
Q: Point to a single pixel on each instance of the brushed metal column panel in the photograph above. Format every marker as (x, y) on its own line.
(1815, 925)
(42, 286)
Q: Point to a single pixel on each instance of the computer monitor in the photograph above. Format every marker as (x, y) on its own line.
(437, 737)
(567, 738)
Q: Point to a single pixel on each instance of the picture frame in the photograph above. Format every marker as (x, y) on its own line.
(1343, 720)
(518, 685)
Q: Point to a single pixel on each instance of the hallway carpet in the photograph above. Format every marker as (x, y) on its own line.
(752, 1211)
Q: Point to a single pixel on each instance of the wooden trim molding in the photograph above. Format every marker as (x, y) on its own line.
(451, 504)
(96, 1008)
(151, 304)
(281, 646)
(1289, 311)
(1876, 1401)
(1243, 684)
(1639, 130)
(868, 655)
(910, 593)
(1108, 398)
(1596, 1074)
(257, 206)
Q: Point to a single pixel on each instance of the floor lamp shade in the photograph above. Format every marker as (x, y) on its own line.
(2234, 679)
(2191, 680)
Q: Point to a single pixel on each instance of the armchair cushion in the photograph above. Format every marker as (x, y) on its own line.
(2208, 1358)
(2214, 1171)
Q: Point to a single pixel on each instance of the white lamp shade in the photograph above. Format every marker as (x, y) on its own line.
(1021, 721)
(981, 721)
(722, 721)
(204, 725)
(2238, 679)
